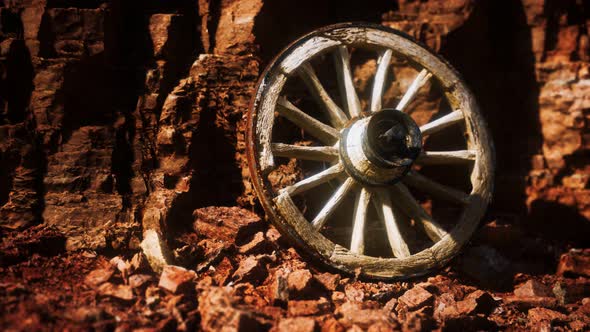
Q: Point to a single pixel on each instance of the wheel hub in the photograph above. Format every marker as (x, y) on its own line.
(380, 149)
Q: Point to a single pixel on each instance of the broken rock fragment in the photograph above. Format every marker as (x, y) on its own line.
(176, 279)
(532, 288)
(120, 292)
(257, 245)
(532, 294)
(478, 302)
(251, 269)
(98, 276)
(353, 314)
(576, 262)
(298, 324)
(541, 319)
(156, 251)
(139, 280)
(299, 282)
(328, 280)
(308, 307)
(416, 298)
(229, 224)
(218, 313)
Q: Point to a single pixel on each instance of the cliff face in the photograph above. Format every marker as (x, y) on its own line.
(116, 117)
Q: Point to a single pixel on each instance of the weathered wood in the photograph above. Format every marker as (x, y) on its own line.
(420, 182)
(314, 180)
(407, 202)
(337, 118)
(361, 204)
(421, 79)
(442, 123)
(446, 157)
(384, 208)
(319, 153)
(379, 81)
(265, 120)
(319, 221)
(348, 93)
(317, 129)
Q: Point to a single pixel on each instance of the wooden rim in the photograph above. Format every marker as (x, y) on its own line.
(287, 217)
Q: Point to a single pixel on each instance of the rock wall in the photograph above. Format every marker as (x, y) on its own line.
(118, 117)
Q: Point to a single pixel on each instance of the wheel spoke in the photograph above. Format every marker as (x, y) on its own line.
(438, 124)
(349, 97)
(334, 113)
(412, 208)
(418, 83)
(326, 134)
(319, 221)
(319, 153)
(386, 213)
(379, 82)
(436, 189)
(357, 242)
(446, 157)
(314, 180)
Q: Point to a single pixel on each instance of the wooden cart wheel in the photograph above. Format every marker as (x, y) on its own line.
(345, 177)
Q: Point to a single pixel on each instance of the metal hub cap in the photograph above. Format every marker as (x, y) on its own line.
(380, 149)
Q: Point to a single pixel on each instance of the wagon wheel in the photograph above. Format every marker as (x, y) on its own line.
(367, 157)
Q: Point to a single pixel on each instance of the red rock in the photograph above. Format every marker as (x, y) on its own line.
(139, 263)
(526, 302)
(273, 235)
(354, 314)
(120, 292)
(353, 293)
(218, 313)
(570, 291)
(543, 319)
(445, 307)
(277, 291)
(331, 325)
(257, 245)
(390, 305)
(87, 314)
(328, 280)
(532, 288)
(223, 271)
(298, 324)
(139, 280)
(177, 279)
(98, 276)
(338, 297)
(307, 307)
(419, 320)
(229, 224)
(299, 282)
(416, 298)
(478, 302)
(382, 327)
(251, 269)
(355, 328)
(211, 251)
(578, 325)
(122, 265)
(576, 262)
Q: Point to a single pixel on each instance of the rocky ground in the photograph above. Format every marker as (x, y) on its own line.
(239, 275)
